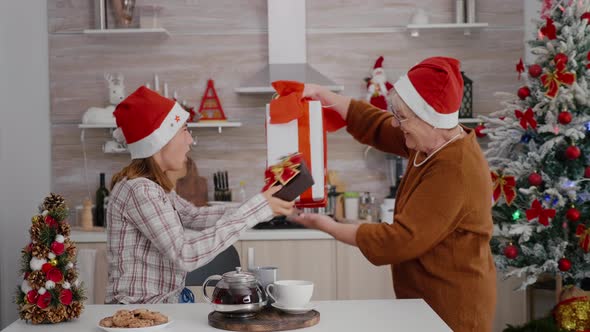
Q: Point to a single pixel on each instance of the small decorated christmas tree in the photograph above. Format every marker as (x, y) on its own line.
(50, 291)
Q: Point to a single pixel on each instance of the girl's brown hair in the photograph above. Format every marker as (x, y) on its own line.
(144, 168)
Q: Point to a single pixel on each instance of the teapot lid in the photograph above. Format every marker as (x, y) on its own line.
(238, 276)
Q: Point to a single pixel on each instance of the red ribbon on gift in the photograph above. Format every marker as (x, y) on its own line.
(584, 234)
(537, 211)
(291, 105)
(283, 172)
(527, 118)
(503, 186)
(552, 81)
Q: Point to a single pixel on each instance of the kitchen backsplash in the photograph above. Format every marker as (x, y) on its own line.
(207, 40)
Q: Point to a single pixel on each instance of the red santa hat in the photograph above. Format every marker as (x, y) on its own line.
(433, 89)
(148, 121)
(378, 64)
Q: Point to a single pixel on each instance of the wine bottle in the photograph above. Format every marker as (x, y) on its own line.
(101, 200)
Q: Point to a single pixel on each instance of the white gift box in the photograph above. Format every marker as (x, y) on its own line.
(283, 140)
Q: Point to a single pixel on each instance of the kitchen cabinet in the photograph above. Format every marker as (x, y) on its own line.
(358, 279)
(313, 260)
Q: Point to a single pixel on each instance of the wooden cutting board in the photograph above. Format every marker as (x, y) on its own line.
(269, 319)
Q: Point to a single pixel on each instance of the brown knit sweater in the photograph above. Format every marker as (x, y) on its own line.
(438, 246)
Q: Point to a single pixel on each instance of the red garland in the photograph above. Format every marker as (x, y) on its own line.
(537, 211)
(527, 118)
(503, 186)
(553, 80)
(520, 68)
(549, 29)
(584, 234)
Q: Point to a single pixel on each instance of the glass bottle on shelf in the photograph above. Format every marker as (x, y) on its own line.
(102, 195)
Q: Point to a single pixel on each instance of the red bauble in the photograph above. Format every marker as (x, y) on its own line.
(55, 275)
(586, 15)
(32, 296)
(50, 221)
(564, 117)
(65, 297)
(572, 152)
(535, 70)
(524, 92)
(587, 172)
(478, 130)
(511, 252)
(57, 248)
(46, 267)
(573, 214)
(564, 264)
(535, 179)
(44, 300)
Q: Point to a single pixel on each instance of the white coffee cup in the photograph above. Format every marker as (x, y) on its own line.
(290, 293)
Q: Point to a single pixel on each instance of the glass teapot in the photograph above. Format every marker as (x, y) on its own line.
(236, 292)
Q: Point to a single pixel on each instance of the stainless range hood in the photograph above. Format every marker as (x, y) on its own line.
(287, 52)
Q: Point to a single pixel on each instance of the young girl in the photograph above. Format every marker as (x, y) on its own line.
(154, 237)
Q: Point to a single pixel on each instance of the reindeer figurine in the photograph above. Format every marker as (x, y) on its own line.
(116, 88)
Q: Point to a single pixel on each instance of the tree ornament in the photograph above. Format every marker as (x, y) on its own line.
(65, 297)
(511, 252)
(32, 296)
(535, 70)
(537, 211)
(57, 248)
(46, 267)
(573, 214)
(55, 275)
(50, 221)
(583, 234)
(572, 152)
(549, 29)
(587, 172)
(527, 119)
(54, 201)
(478, 130)
(586, 16)
(564, 117)
(520, 68)
(36, 263)
(535, 179)
(53, 262)
(553, 80)
(43, 300)
(524, 92)
(504, 185)
(564, 264)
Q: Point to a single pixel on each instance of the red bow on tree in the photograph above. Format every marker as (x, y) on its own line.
(584, 234)
(503, 186)
(520, 68)
(537, 211)
(283, 172)
(549, 29)
(527, 118)
(552, 81)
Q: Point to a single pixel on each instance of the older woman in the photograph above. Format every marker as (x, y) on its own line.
(154, 237)
(438, 244)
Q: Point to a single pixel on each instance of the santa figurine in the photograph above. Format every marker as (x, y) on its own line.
(378, 86)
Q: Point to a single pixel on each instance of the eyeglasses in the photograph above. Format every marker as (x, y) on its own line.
(396, 115)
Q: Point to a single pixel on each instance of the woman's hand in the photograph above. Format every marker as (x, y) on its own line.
(279, 207)
(313, 91)
(313, 220)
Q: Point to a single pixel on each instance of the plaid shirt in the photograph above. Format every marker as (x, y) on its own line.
(154, 238)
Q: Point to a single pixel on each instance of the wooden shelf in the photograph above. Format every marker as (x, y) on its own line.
(467, 27)
(127, 32)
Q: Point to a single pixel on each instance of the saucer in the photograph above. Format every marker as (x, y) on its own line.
(295, 311)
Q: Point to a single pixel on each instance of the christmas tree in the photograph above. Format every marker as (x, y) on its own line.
(539, 154)
(50, 291)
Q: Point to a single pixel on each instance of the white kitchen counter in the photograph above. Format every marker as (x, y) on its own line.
(341, 316)
(249, 235)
